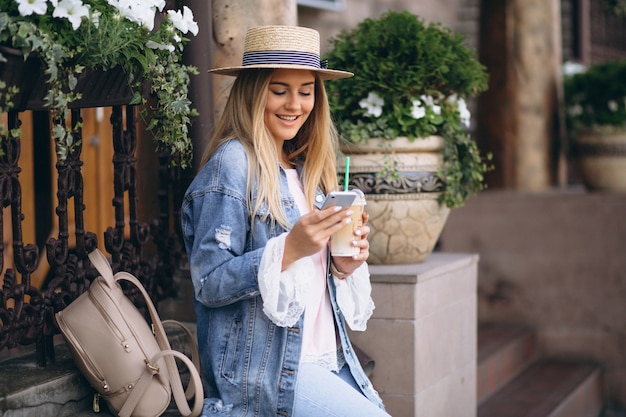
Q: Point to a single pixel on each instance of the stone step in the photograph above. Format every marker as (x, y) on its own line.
(504, 350)
(549, 388)
(58, 389)
(511, 381)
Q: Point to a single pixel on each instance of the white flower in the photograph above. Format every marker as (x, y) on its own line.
(427, 100)
(158, 4)
(571, 68)
(430, 102)
(374, 105)
(417, 111)
(464, 112)
(154, 45)
(452, 99)
(28, 7)
(183, 21)
(575, 110)
(139, 11)
(95, 18)
(612, 105)
(72, 10)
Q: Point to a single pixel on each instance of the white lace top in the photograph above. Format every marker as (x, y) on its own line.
(302, 288)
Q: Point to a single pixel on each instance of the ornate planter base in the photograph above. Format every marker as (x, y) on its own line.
(601, 160)
(405, 218)
(404, 230)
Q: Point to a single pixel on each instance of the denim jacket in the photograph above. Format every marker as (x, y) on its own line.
(249, 365)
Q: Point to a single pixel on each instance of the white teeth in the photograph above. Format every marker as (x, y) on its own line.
(288, 118)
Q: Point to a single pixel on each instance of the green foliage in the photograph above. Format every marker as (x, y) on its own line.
(104, 41)
(596, 97)
(423, 74)
(6, 96)
(616, 6)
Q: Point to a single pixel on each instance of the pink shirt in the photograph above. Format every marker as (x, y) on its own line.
(319, 343)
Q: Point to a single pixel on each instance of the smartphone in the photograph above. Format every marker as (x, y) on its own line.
(339, 198)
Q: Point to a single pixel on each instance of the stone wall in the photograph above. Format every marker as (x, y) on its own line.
(459, 15)
(556, 262)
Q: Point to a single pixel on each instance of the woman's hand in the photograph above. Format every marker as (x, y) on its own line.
(312, 231)
(344, 266)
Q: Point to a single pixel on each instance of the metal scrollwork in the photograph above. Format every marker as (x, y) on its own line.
(27, 312)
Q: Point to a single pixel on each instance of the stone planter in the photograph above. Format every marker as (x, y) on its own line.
(405, 218)
(601, 160)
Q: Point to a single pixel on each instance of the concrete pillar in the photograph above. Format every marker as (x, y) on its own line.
(231, 20)
(518, 116)
(422, 336)
(536, 69)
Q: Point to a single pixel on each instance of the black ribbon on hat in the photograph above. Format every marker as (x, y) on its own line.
(324, 64)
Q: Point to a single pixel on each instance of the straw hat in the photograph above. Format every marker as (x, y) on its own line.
(283, 47)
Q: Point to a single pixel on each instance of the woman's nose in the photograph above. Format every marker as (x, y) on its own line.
(293, 101)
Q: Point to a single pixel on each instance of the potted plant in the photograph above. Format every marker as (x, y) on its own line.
(64, 42)
(595, 114)
(410, 90)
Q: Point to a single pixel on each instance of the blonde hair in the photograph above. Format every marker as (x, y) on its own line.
(314, 147)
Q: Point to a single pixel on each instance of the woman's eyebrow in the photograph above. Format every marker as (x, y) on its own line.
(287, 84)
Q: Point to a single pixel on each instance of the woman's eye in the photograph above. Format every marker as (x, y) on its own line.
(283, 92)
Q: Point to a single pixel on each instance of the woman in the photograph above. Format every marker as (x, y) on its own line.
(271, 318)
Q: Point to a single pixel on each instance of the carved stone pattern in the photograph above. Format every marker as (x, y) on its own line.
(404, 183)
(601, 149)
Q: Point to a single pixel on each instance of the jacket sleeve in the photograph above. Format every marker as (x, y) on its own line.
(216, 223)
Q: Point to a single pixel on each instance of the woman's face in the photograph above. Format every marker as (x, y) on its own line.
(290, 100)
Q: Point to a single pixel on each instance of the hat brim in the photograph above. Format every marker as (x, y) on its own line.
(324, 74)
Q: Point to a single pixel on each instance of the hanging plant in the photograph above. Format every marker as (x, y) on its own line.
(69, 37)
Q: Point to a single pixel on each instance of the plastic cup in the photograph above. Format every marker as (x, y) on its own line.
(341, 242)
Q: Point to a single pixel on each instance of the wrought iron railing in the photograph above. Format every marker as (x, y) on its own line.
(151, 251)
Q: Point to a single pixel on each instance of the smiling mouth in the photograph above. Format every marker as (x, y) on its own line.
(288, 118)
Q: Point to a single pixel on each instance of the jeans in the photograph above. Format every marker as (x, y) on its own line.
(320, 392)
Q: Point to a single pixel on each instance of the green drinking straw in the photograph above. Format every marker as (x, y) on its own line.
(345, 179)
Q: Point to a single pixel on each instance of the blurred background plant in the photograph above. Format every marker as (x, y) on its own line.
(616, 6)
(595, 97)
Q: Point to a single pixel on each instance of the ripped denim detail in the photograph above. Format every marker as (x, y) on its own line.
(222, 236)
(213, 405)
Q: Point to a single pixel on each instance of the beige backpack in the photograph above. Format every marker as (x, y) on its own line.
(131, 367)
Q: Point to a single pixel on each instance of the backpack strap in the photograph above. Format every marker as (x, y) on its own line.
(195, 356)
(179, 396)
(103, 267)
(159, 332)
